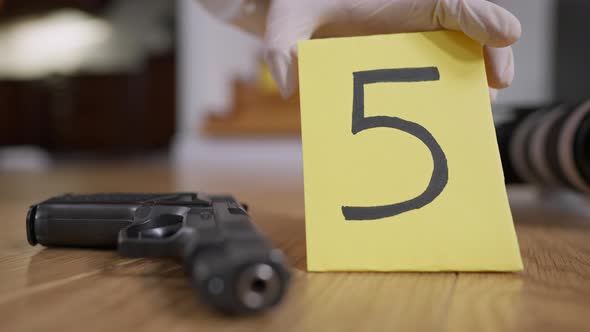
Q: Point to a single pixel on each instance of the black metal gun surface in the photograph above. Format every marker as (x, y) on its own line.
(230, 264)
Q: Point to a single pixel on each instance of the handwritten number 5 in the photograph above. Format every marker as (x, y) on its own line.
(440, 172)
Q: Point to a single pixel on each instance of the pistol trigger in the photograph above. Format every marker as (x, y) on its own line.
(245, 206)
(161, 227)
(142, 213)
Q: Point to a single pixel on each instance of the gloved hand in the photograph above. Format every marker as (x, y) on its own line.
(289, 21)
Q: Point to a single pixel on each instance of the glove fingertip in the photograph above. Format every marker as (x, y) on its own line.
(505, 29)
(281, 68)
(508, 35)
(493, 95)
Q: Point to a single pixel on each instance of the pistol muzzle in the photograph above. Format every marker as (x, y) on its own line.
(31, 236)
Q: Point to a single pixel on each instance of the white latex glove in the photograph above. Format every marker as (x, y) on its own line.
(289, 21)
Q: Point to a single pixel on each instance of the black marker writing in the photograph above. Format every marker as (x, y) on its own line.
(440, 172)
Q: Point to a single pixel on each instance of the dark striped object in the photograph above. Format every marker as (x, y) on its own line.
(548, 146)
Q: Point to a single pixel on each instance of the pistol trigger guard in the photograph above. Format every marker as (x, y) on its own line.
(156, 232)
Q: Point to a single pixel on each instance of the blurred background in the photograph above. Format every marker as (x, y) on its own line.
(163, 80)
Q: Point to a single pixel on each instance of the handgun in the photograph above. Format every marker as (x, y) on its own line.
(229, 262)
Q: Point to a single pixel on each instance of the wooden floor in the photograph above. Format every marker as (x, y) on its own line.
(85, 290)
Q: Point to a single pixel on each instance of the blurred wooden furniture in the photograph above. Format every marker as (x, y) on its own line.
(256, 113)
(110, 113)
(91, 290)
(257, 110)
(12, 8)
(114, 112)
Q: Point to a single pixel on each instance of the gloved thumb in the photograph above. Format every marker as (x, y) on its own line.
(284, 28)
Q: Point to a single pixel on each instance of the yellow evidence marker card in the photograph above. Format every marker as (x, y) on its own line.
(401, 164)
